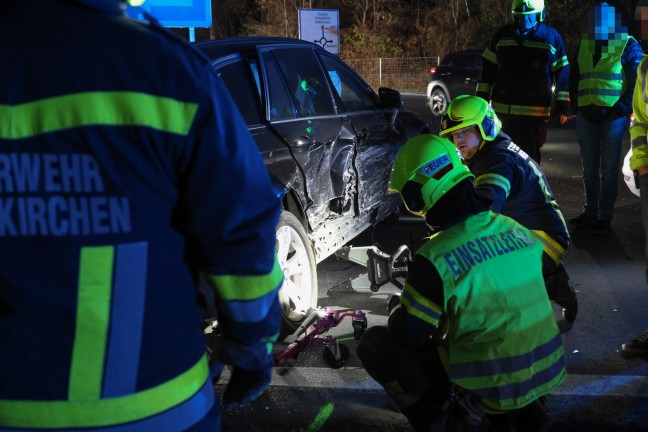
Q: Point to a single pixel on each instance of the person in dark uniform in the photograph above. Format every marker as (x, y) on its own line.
(524, 73)
(515, 186)
(126, 171)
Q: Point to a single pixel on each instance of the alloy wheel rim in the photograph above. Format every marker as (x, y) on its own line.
(296, 292)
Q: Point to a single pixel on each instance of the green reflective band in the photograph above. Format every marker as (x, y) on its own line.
(609, 76)
(533, 111)
(507, 42)
(248, 287)
(540, 45)
(490, 56)
(527, 43)
(92, 321)
(96, 109)
(104, 412)
(415, 302)
(483, 87)
(560, 63)
(495, 180)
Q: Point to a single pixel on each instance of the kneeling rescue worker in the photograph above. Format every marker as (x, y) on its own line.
(515, 186)
(473, 340)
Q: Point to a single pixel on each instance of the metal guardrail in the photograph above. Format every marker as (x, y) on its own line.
(404, 73)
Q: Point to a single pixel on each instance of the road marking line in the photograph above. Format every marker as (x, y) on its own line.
(358, 379)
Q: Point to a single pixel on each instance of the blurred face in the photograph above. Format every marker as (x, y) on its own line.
(525, 22)
(604, 23)
(467, 141)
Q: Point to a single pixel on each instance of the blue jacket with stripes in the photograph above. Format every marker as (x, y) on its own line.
(515, 186)
(125, 171)
(519, 72)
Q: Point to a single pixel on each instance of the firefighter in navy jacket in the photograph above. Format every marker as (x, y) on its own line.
(125, 171)
(515, 186)
(523, 62)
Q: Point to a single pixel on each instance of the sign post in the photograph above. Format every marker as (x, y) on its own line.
(321, 27)
(176, 13)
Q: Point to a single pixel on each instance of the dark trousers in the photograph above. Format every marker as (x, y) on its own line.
(417, 372)
(528, 133)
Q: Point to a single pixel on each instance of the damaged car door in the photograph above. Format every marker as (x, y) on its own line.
(377, 138)
(322, 141)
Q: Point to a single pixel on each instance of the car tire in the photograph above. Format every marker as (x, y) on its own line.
(298, 294)
(438, 102)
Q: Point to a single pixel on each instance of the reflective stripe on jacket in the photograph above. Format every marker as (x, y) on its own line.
(518, 72)
(518, 188)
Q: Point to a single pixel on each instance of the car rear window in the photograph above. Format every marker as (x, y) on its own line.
(245, 93)
(466, 61)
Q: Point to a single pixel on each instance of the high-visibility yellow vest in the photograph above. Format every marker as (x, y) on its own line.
(504, 344)
(600, 84)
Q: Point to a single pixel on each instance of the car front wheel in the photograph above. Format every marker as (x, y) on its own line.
(438, 102)
(298, 294)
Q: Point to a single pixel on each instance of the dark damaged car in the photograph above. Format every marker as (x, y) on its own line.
(328, 141)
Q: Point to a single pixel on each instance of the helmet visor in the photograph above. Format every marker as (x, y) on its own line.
(449, 123)
(412, 197)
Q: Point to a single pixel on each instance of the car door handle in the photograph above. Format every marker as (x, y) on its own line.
(304, 140)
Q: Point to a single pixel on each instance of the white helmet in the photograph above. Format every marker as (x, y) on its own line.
(628, 175)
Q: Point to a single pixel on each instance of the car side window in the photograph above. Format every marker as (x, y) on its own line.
(306, 81)
(355, 95)
(281, 105)
(237, 79)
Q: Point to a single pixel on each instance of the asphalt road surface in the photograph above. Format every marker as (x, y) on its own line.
(604, 391)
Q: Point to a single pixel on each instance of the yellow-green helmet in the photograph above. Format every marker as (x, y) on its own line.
(465, 111)
(425, 169)
(527, 7)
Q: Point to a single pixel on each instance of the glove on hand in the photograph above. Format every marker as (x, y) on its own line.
(245, 386)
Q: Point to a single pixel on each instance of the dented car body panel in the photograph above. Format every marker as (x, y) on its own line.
(328, 140)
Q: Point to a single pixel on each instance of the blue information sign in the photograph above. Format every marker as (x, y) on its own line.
(176, 13)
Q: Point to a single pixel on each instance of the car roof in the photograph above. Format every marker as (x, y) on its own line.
(218, 47)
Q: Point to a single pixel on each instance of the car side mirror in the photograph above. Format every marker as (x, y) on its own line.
(389, 98)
